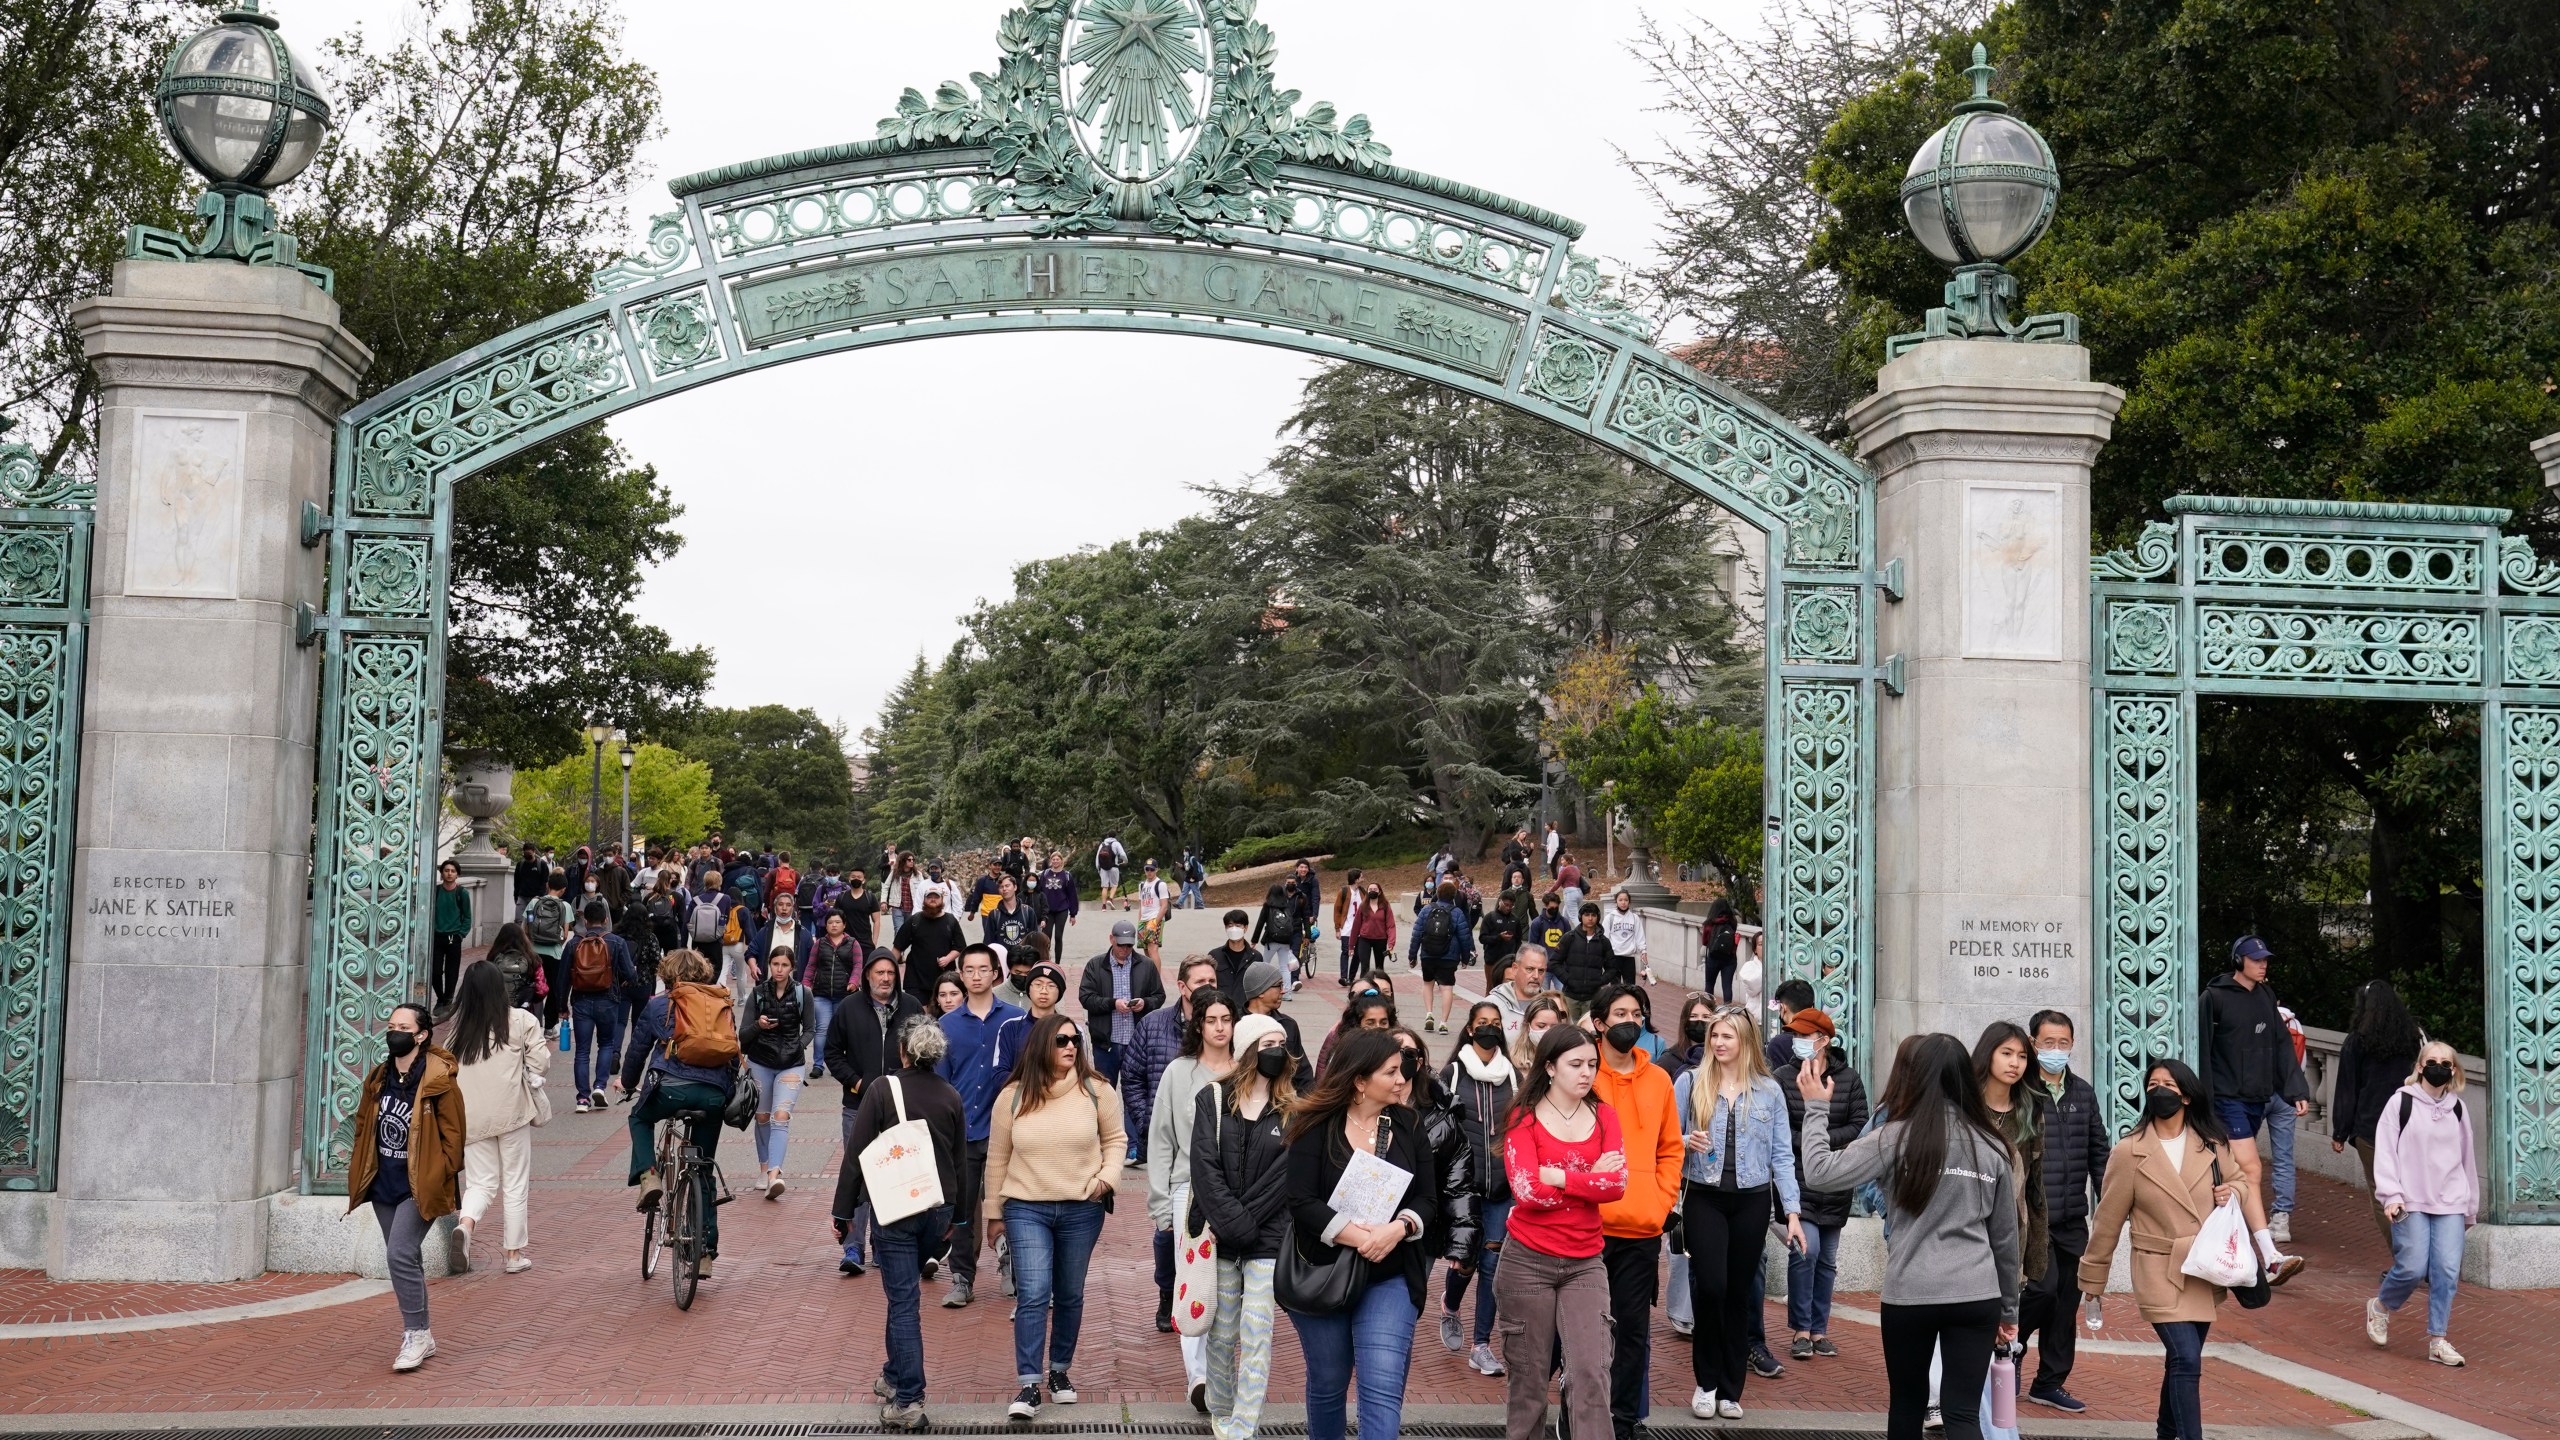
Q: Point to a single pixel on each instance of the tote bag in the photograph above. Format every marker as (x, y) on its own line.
(897, 1166)
(1195, 1256)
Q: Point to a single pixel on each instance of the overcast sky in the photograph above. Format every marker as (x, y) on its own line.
(843, 514)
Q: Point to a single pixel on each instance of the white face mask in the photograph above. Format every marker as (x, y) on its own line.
(1235, 932)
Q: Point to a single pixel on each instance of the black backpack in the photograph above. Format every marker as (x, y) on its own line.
(2409, 1102)
(1437, 927)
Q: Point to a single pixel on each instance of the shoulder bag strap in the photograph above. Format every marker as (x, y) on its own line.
(898, 1098)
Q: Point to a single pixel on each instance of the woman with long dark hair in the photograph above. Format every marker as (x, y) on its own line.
(1455, 1232)
(2165, 1177)
(1054, 1151)
(1480, 1082)
(2380, 1050)
(1356, 1106)
(1371, 1007)
(1239, 1165)
(517, 966)
(1951, 1272)
(499, 1062)
(2002, 1056)
(773, 1033)
(1207, 1057)
(1563, 1150)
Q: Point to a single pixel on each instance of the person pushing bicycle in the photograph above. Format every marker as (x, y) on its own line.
(689, 1051)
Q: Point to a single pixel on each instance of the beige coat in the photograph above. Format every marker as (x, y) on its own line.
(493, 1092)
(2165, 1208)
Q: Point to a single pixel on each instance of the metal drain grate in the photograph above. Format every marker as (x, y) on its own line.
(852, 1428)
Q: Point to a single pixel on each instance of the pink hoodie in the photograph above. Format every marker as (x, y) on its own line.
(2427, 1166)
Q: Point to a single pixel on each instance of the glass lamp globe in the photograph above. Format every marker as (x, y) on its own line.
(242, 109)
(1980, 190)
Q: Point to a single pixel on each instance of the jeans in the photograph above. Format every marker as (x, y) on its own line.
(596, 1020)
(661, 1100)
(2280, 1119)
(402, 1234)
(1497, 1217)
(2181, 1380)
(1191, 897)
(1726, 1229)
(1555, 1312)
(826, 1015)
(859, 1225)
(2427, 1247)
(1961, 1335)
(903, 1246)
(1810, 1273)
(1677, 1292)
(1375, 1338)
(776, 1092)
(1052, 1242)
(1239, 1350)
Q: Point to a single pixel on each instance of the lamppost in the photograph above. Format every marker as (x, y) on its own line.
(628, 755)
(1978, 194)
(246, 114)
(597, 735)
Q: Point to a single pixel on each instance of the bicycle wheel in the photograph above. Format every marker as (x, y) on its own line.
(685, 1222)
(650, 1240)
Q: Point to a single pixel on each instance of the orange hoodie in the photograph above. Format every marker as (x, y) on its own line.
(1642, 1099)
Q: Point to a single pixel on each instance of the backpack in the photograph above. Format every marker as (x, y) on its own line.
(735, 932)
(1193, 872)
(591, 965)
(706, 919)
(514, 966)
(1720, 934)
(546, 920)
(2409, 1102)
(750, 888)
(1108, 855)
(703, 1025)
(1437, 925)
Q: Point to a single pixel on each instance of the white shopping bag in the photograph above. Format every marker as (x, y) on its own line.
(897, 1166)
(2221, 1253)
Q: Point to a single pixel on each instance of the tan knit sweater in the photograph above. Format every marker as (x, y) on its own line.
(1057, 1151)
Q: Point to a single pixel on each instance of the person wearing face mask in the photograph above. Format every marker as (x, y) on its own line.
(1457, 1233)
(1480, 1082)
(1277, 930)
(1235, 954)
(928, 941)
(1687, 1048)
(410, 1133)
(1372, 936)
(2164, 1178)
(1633, 1087)
(2075, 1168)
(1443, 939)
(1625, 929)
(1346, 908)
(1541, 1014)
(1262, 996)
(2427, 1177)
(1239, 1166)
(1811, 1270)
(1207, 1057)
(860, 907)
(1498, 936)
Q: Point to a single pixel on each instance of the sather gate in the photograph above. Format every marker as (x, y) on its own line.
(1126, 167)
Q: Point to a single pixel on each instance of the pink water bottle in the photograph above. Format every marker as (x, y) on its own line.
(2004, 1390)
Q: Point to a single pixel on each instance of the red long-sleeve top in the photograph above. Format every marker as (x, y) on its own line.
(1561, 1221)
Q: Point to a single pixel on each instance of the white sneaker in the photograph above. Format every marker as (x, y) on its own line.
(2377, 1321)
(1702, 1403)
(1729, 1409)
(518, 1264)
(415, 1347)
(2441, 1351)
(2280, 1227)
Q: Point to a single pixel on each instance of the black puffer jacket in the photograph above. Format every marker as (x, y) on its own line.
(1456, 1230)
(2075, 1158)
(834, 966)
(1848, 1119)
(1240, 1177)
(2364, 1084)
(1481, 1106)
(1583, 964)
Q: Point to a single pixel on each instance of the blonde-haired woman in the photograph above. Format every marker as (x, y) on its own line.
(1741, 1157)
(2429, 1188)
(1239, 1164)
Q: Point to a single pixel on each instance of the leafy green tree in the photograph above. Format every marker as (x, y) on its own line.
(81, 158)
(906, 760)
(671, 799)
(1718, 818)
(474, 182)
(781, 777)
(1088, 702)
(1689, 781)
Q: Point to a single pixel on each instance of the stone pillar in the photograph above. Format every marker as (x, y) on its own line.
(184, 1038)
(1981, 450)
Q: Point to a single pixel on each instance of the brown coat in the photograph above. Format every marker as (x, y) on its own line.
(435, 1137)
(2166, 1207)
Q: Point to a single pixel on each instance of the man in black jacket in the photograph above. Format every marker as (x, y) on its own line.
(2249, 1062)
(930, 940)
(531, 871)
(2075, 1171)
(1118, 987)
(920, 1094)
(1585, 961)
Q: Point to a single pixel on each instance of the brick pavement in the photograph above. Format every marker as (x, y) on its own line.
(28, 1298)
(779, 1326)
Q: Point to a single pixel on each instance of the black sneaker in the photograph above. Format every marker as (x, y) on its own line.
(1061, 1389)
(932, 1267)
(1764, 1364)
(2057, 1398)
(1026, 1404)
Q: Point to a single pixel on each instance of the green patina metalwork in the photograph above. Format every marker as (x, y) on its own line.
(984, 213)
(1982, 149)
(45, 530)
(2329, 599)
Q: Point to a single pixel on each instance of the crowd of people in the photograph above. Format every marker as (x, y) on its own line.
(1545, 1159)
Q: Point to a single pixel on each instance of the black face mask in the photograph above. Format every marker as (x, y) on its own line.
(1271, 1063)
(2161, 1104)
(399, 1042)
(1488, 1036)
(1624, 1035)
(2436, 1073)
(1412, 1064)
(1696, 1030)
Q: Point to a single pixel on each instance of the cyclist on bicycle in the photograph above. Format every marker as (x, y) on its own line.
(673, 1085)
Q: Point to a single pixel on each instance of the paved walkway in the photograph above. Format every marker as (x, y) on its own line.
(779, 1327)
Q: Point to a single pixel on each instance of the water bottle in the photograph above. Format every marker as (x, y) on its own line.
(2004, 1390)
(564, 1037)
(2092, 1313)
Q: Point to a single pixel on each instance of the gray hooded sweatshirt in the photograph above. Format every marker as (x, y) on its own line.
(1964, 1245)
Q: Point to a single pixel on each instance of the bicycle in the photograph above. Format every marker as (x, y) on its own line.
(691, 1185)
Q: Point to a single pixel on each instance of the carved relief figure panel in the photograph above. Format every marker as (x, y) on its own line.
(182, 534)
(2014, 569)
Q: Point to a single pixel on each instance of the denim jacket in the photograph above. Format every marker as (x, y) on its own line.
(1764, 1150)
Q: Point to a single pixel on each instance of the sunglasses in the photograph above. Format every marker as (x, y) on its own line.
(1069, 1042)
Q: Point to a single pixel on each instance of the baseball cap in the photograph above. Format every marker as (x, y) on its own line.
(1123, 933)
(2250, 947)
(1813, 1022)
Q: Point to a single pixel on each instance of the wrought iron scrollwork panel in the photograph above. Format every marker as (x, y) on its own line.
(1824, 850)
(2524, 1021)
